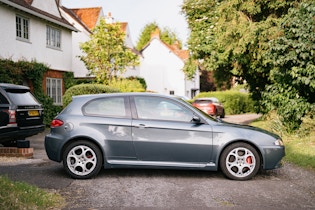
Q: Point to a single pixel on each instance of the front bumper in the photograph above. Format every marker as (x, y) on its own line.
(272, 156)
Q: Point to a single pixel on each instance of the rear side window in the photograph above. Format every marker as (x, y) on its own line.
(107, 107)
(21, 97)
(3, 99)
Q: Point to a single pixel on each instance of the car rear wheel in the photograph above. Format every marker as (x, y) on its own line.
(222, 114)
(240, 161)
(82, 159)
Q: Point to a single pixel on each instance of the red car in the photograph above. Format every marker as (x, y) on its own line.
(211, 106)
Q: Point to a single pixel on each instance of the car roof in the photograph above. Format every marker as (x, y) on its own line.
(13, 86)
(209, 98)
(124, 94)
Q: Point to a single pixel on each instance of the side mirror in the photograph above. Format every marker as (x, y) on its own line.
(196, 120)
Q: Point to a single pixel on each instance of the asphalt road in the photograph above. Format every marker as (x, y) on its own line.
(289, 187)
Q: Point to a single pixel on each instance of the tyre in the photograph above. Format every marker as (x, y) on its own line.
(82, 159)
(222, 114)
(240, 161)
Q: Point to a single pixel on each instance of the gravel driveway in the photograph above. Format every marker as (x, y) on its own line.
(289, 187)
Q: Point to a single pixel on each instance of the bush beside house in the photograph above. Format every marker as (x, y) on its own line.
(83, 89)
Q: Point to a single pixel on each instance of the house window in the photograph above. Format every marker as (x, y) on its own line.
(54, 90)
(53, 37)
(22, 28)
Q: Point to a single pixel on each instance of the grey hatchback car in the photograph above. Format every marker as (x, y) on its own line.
(145, 130)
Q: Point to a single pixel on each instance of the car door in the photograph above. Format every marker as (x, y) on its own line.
(163, 133)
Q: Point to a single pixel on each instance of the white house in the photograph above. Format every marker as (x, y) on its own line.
(161, 67)
(35, 30)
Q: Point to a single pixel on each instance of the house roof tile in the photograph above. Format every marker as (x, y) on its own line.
(89, 16)
(75, 17)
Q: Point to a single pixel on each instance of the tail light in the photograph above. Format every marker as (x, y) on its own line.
(12, 116)
(212, 108)
(56, 123)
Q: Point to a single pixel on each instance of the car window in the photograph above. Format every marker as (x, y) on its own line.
(21, 97)
(3, 100)
(112, 107)
(161, 109)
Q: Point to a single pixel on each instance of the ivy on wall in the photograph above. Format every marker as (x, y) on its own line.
(32, 73)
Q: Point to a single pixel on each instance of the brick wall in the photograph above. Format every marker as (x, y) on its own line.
(16, 152)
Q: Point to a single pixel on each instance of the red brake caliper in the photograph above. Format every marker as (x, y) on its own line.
(249, 160)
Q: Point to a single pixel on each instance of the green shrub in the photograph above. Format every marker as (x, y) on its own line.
(83, 89)
(234, 102)
(127, 85)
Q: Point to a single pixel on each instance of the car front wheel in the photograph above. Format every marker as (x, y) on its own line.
(82, 159)
(240, 161)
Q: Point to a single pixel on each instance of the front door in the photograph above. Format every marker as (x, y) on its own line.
(163, 133)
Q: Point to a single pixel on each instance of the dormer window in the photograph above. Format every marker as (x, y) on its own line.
(22, 28)
(53, 37)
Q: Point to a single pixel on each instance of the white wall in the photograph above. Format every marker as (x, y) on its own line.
(36, 47)
(48, 6)
(162, 70)
(78, 66)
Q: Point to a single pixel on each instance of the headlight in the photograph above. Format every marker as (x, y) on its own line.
(279, 142)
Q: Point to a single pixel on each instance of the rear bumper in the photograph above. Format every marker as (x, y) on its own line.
(16, 133)
(53, 146)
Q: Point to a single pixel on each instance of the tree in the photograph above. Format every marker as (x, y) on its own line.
(230, 38)
(293, 74)
(166, 35)
(105, 53)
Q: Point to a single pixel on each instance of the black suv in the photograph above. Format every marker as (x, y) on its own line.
(20, 114)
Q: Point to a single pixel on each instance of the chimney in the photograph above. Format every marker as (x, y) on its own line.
(109, 18)
(155, 33)
(176, 45)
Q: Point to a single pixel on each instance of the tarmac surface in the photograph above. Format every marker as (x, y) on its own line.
(289, 187)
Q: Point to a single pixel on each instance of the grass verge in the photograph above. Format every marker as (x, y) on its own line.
(300, 146)
(19, 195)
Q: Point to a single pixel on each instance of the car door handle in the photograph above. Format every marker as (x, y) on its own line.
(141, 126)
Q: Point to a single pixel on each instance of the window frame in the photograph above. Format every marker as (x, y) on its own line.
(53, 37)
(54, 92)
(184, 109)
(22, 33)
(126, 107)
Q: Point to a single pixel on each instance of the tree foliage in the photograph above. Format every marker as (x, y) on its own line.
(166, 35)
(230, 37)
(293, 74)
(105, 52)
(268, 44)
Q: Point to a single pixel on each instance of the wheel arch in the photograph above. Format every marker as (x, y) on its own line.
(241, 141)
(83, 138)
